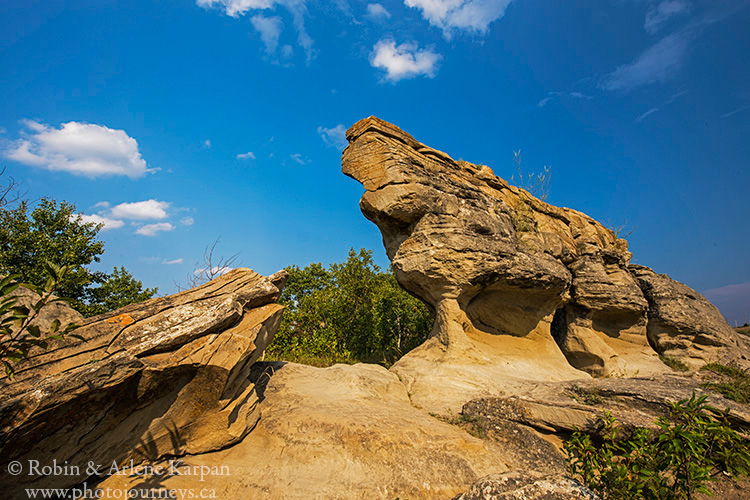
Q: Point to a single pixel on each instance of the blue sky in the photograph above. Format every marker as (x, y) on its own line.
(176, 123)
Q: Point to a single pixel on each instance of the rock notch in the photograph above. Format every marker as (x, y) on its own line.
(521, 290)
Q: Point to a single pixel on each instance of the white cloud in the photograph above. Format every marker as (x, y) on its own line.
(207, 144)
(141, 210)
(298, 158)
(403, 61)
(646, 114)
(335, 137)
(554, 94)
(79, 148)
(153, 229)
(661, 13)
(269, 29)
(544, 101)
(296, 8)
(377, 12)
(187, 221)
(236, 8)
(98, 219)
(171, 262)
(246, 156)
(468, 15)
(656, 64)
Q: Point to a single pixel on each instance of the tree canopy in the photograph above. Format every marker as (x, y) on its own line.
(350, 311)
(52, 232)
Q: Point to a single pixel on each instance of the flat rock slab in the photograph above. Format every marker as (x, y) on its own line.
(338, 433)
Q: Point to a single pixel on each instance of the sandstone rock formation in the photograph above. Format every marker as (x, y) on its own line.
(165, 377)
(520, 289)
(337, 433)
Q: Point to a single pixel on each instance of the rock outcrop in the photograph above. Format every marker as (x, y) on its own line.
(336, 433)
(165, 377)
(521, 290)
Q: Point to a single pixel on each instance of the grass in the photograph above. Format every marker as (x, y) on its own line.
(587, 396)
(309, 359)
(674, 363)
(469, 423)
(734, 383)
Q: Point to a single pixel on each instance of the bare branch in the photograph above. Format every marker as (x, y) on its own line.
(11, 192)
(211, 267)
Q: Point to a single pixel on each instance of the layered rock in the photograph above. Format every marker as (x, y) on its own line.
(165, 377)
(520, 289)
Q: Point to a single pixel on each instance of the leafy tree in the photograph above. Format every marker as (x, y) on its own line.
(118, 290)
(53, 232)
(351, 311)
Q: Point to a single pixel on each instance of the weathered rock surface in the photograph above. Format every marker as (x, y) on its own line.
(673, 326)
(526, 485)
(338, 433)
(165, 377)
(521, 290)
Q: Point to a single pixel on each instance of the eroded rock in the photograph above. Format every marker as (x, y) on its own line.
(521, 290)
(165, 377)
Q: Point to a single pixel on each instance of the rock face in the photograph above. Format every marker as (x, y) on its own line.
(333, 433)
(520, 289)
(165, 377)
(528, 486)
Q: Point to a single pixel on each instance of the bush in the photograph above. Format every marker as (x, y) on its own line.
(735, 383)
(674, 464)
(348, 312)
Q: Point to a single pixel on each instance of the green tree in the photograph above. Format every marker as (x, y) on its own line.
(53, 232)
(118, 290)
(351, 311)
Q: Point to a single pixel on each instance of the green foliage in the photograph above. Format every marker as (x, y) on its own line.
(118, 290)
(351, 311)
(17, 333)
(469, 423)
(674, 464)
(53, 232)
(587, 396)
(674, 363)
(735, 383)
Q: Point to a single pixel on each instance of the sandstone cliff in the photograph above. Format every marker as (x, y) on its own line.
(520, 289)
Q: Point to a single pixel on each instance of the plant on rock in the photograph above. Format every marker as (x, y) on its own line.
(18, 333)
(674, 464)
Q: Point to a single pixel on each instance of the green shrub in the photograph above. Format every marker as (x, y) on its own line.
(17, 333)
(735, 383)
(674, 363)
(674, 464)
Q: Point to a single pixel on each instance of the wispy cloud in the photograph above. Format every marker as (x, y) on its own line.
(141, 210)
(78, 148)
(646, 114)
(658, 63)
(377, 12)
(334, 137)
(403, 61)
(187, 221)
(468, 15)
(269, 29)
(171, 262)
(154, 229)
(246, 156)
(555, 94)
(739, 110)
(663, 12)
(207, 144)
(298, 158)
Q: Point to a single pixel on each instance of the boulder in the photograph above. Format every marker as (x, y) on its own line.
(168, 376)
(521, 290)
